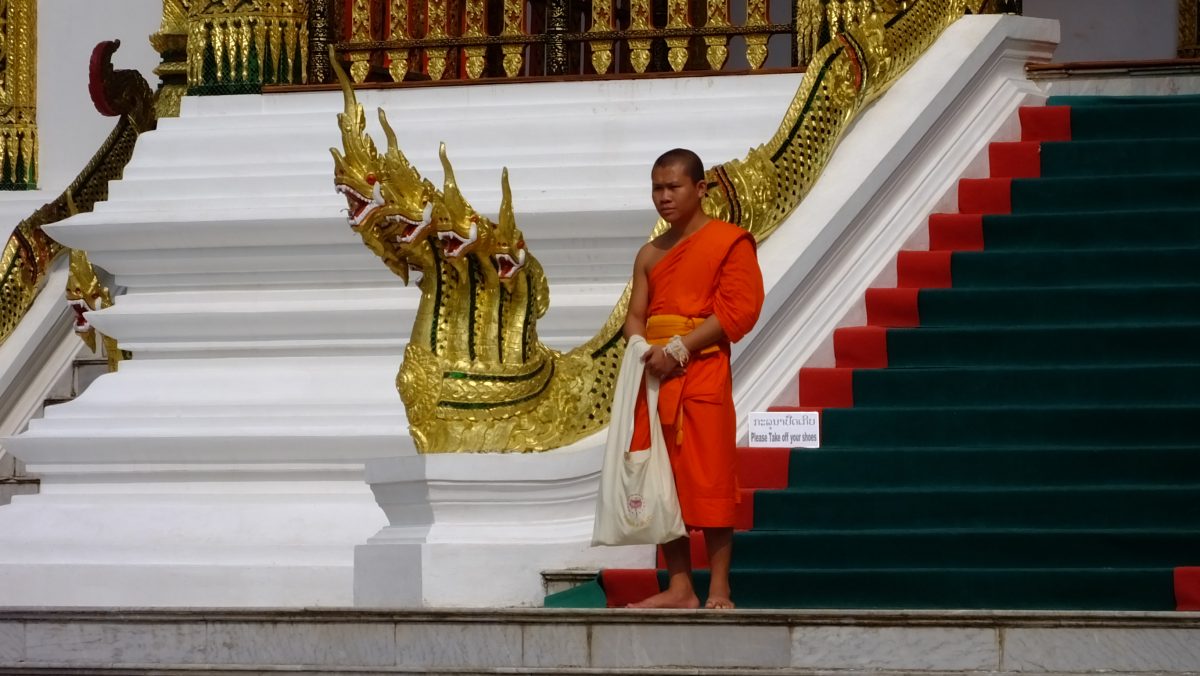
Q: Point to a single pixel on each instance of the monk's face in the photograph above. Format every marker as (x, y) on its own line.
(676, 195)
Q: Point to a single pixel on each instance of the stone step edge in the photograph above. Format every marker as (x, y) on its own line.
(70, 669)
(598, 641)
(238, 670)
(1014, 619)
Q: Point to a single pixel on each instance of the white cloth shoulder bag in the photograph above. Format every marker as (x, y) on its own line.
(637, 503)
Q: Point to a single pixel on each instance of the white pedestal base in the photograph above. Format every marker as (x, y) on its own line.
(260, 543)
(477, 530)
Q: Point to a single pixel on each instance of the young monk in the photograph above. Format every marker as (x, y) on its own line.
(696, 289)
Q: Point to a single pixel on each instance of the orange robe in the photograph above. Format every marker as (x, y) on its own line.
(712, 272)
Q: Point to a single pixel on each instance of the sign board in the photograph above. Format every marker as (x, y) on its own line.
(793, 429)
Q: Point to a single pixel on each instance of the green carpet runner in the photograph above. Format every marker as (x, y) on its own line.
(1018, 425)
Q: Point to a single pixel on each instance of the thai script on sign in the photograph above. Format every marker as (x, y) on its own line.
(792, 429)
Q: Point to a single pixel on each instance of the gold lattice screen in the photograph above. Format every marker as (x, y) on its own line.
(236, 46)
(18, 94)
(1189, 23)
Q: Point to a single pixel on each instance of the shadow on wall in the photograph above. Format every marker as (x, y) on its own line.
(1112, 30)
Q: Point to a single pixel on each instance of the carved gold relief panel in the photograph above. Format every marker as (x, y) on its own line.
(18, 94)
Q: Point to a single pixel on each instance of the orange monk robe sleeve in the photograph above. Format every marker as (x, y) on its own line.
(739, 295)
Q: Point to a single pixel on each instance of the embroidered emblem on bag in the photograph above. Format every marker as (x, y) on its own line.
(635, 505)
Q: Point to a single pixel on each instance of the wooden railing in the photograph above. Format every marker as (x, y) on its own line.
(239, 47)
(470, 39)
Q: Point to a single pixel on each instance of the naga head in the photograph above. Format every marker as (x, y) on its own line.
(389, 204)
(84, 294)
(509, 253)
(461, 231)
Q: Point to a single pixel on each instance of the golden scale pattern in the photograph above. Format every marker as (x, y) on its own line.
(537, 399)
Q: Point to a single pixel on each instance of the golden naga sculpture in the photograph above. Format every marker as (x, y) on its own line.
(86, 293)
(29, 252)
(474, 376)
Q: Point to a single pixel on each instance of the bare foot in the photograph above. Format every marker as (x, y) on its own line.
(719, 603)
(669, 599)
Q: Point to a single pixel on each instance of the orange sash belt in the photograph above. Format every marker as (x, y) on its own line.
(659, 330)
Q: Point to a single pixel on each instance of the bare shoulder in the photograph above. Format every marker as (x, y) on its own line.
(648, 255)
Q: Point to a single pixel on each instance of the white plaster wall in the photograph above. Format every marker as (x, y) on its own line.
(71, 129)
(1112, 30)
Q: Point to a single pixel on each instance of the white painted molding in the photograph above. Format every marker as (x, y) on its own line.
(36, 358)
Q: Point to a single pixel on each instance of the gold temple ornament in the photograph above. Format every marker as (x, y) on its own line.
(18, 95)
(235, 48)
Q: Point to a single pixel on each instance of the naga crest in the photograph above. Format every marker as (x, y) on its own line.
(475, 376)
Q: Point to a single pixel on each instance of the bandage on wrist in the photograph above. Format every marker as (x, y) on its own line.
(677, 350)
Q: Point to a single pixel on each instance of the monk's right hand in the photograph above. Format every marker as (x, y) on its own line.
(661, 365)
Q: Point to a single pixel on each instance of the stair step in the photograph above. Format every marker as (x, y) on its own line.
(996, 466)
(1119, 230)
(1084, 306)
(1080, 100)
(1154, 267)
(969, 588)
(1134, 120)
(14, 486)
(1010, 426)
(1124, 157)
(929, 347)
(1120, 157)
(1045, 123)
(1111, 231)
(966, 548)
(1065, 386)
(1089, 507)
(1042, 269)
(1104, 193)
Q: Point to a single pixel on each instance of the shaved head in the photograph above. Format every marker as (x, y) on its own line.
(690, 161)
